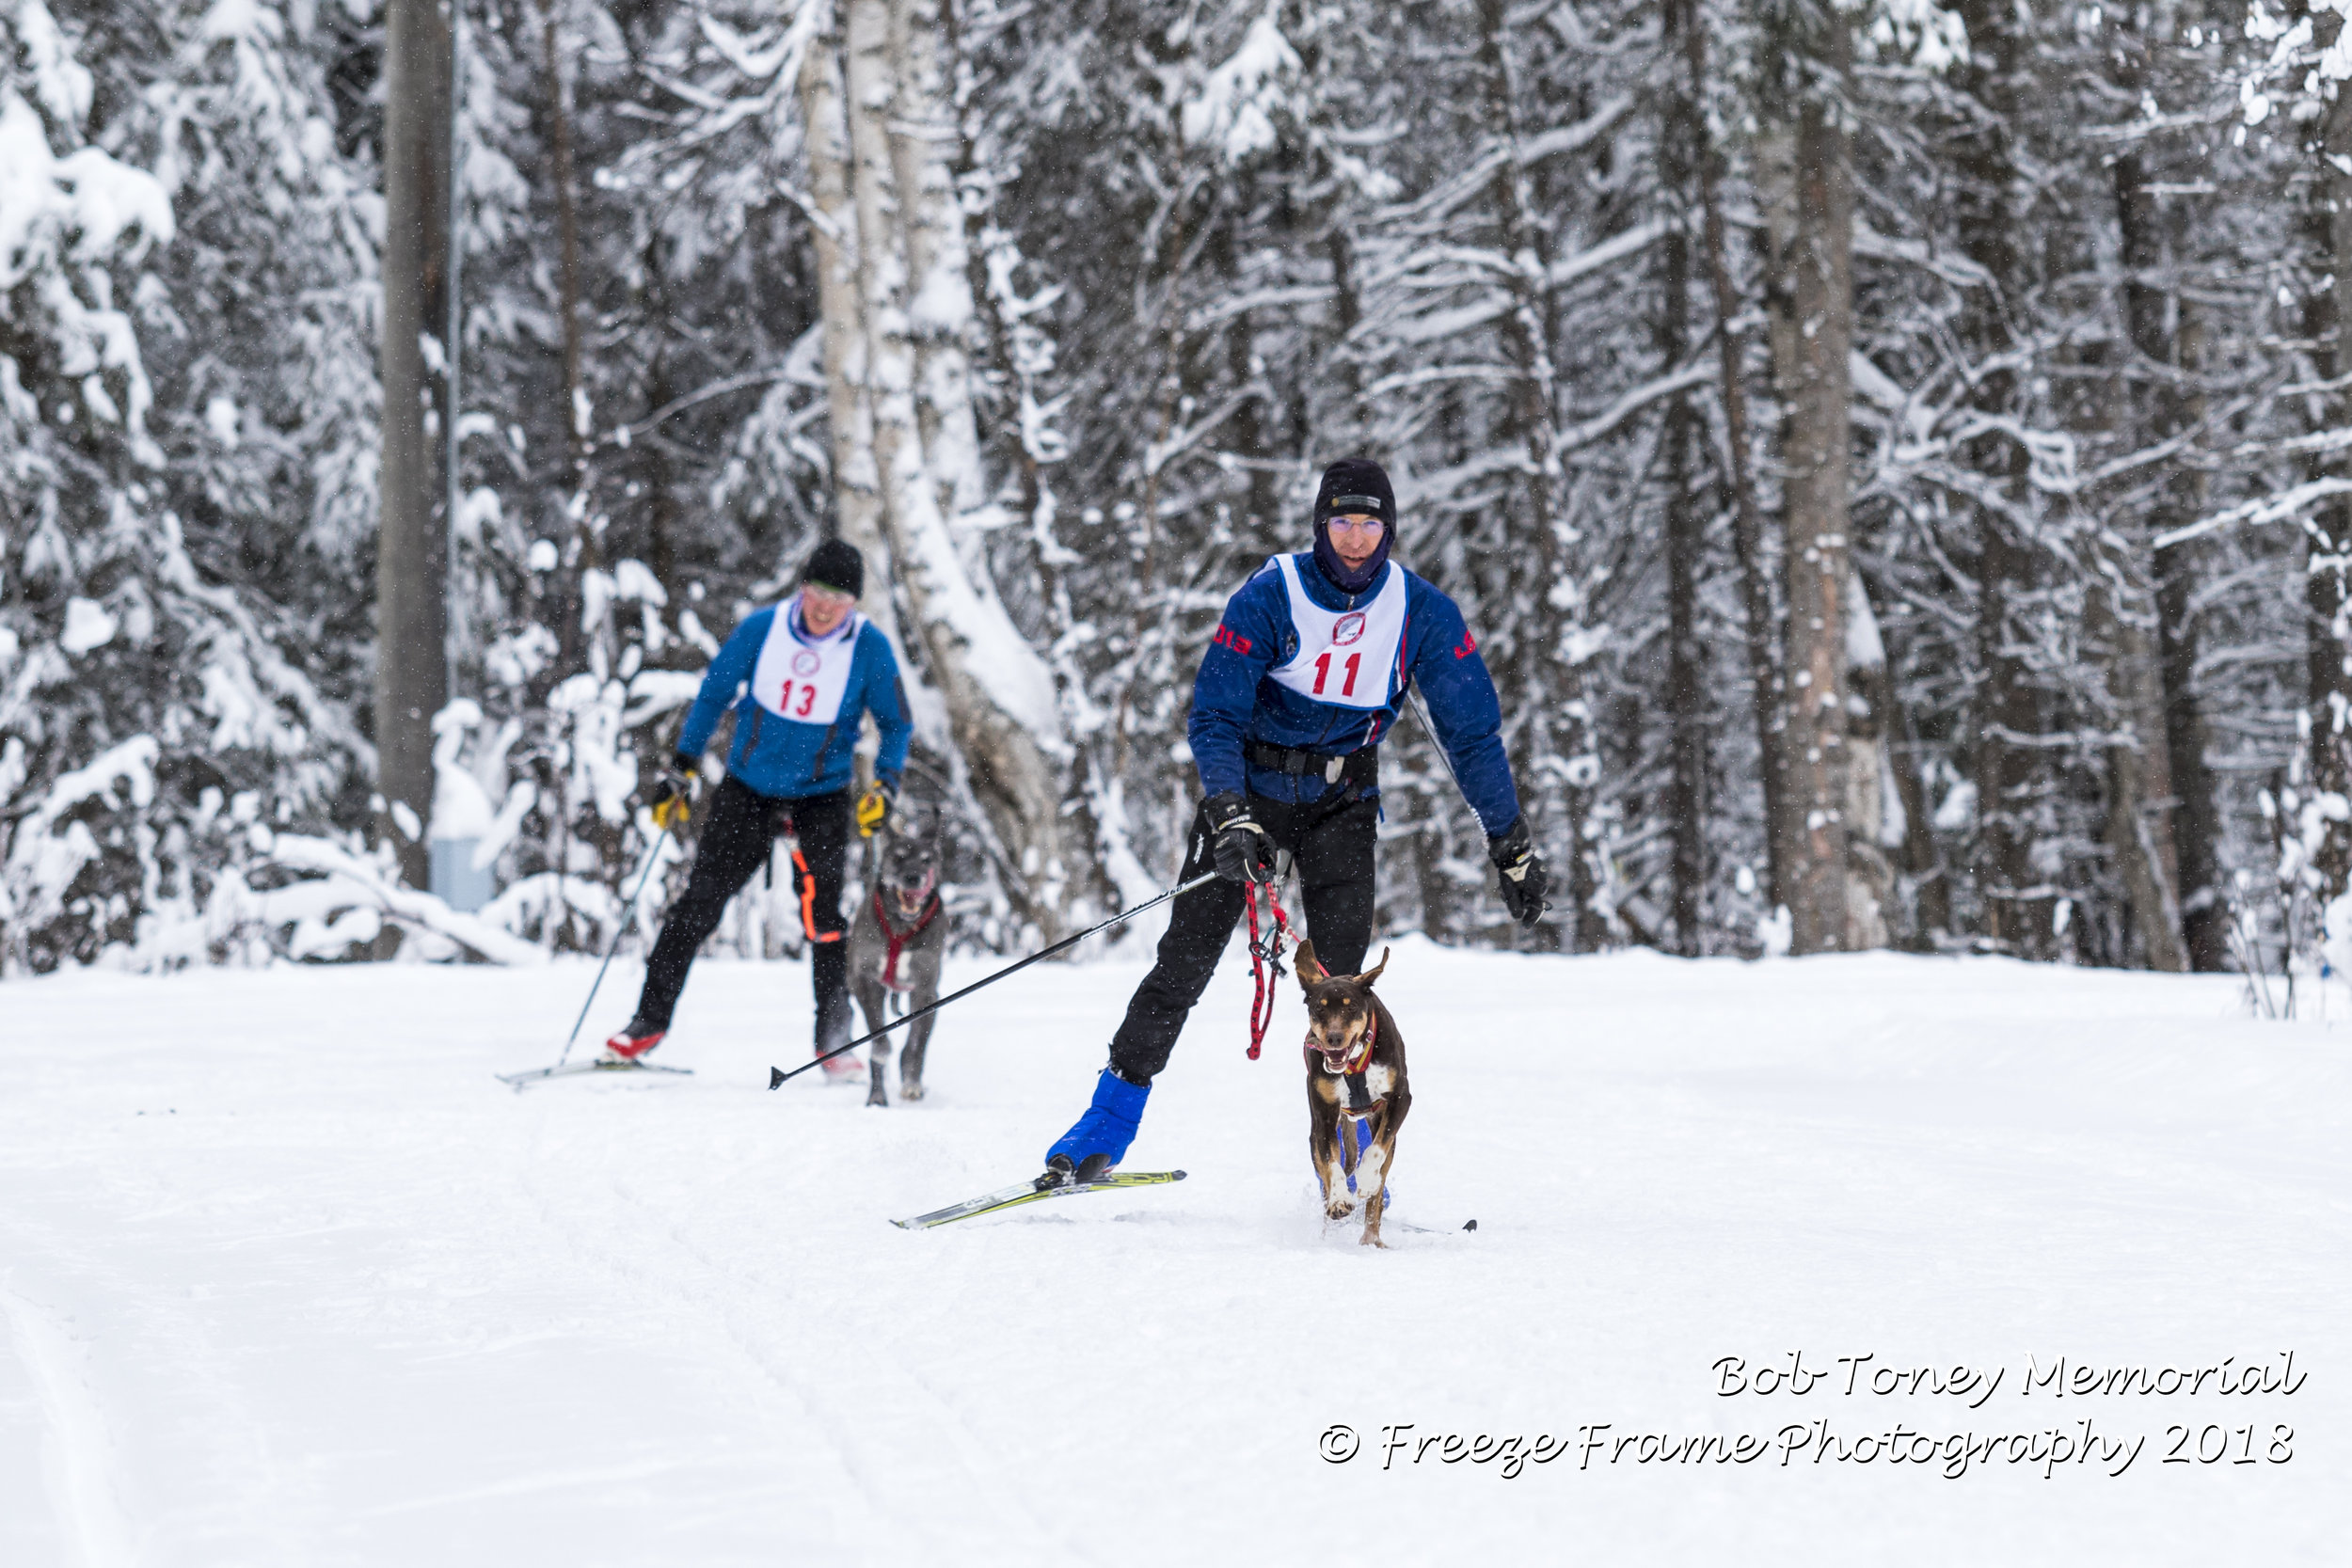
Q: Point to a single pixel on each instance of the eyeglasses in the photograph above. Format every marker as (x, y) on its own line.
(1367, 525)
(835, 597)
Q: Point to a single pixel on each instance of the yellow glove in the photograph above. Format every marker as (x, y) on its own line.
(673, 798)
(873, 810)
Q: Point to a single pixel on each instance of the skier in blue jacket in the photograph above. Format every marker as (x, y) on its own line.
(798, 675)
(1304, 678)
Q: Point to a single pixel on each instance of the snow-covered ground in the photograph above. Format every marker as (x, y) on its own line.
(285, 1277)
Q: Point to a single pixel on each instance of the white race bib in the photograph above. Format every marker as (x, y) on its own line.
(805, 680)
(1346, 657)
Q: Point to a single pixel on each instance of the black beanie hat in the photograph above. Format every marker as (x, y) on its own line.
(836, 564)
(1353, 485)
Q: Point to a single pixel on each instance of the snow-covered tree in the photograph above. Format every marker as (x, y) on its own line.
(186, 408)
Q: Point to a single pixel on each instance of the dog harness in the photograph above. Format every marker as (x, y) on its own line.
(1351, 1158)
(899, 939)
(1360, 1108)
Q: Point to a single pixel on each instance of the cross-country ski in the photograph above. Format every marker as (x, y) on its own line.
(1034, 1191)
(573, 1070)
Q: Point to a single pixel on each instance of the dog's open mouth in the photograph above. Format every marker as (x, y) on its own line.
(1336, 1058)
(910, 893)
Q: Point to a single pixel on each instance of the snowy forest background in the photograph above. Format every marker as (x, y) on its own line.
(1894, 458)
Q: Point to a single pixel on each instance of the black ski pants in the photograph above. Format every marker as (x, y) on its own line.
(735, 841)
(1331, 845)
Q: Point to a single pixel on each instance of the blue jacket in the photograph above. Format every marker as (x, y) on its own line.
(784, 760)
(1234, 700)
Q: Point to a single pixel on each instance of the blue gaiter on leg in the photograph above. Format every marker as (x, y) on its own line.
(1109, 1124)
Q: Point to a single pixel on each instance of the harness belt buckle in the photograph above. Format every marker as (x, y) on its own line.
(1331, 769)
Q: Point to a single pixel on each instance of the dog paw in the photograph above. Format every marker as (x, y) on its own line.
(910, 1091)
(1339, 1211)
(1372, 1238)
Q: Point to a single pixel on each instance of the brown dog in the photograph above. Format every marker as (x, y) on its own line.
(1355, 1077)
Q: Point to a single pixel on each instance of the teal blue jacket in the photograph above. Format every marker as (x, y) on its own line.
(786, 760)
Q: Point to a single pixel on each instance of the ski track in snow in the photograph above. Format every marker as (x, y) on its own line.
(77, 1459)
(287, 1279)
(866, 1462)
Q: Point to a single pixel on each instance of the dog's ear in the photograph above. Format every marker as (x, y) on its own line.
(1310, 970)
(1369, 976)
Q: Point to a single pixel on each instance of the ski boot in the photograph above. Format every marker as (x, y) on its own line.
(832, 1032)
(633, 1041)
(1096, 1146)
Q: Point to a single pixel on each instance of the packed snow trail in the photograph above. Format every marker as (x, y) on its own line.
(287, 1277)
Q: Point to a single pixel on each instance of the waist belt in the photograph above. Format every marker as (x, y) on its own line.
(1358, 768)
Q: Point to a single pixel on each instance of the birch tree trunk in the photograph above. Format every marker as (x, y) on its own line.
(912, 466)
(1808, 188)
(412, 554)
(856, 478)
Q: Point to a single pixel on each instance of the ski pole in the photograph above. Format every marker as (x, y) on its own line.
(652, 860)
(1431, 730)
(777, 1076)
(1439, 746)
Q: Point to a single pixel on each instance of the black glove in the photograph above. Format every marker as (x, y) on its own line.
(1243, 852)
(674, 793)
(1523, 878)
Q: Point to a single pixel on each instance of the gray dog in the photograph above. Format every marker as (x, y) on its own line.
(897, 942)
